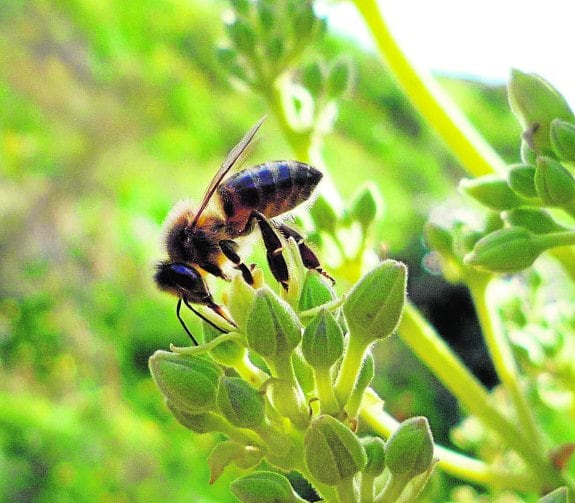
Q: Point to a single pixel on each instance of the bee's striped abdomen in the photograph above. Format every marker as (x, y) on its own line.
(271, 188)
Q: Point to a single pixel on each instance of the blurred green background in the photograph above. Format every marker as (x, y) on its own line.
(110, 112)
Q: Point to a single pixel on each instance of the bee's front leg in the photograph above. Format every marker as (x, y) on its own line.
(274, 249)
(229, 249)
(308, 257)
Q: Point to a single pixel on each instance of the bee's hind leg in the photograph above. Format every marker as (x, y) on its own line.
(308, 257)
(229, 248)
(274, 249)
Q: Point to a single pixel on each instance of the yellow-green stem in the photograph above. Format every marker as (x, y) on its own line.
(422, 339)
(326, 395)
(350, 368)
(345, 491)
(393, 489)
(475, 155)
(367, 488)
(503, 360)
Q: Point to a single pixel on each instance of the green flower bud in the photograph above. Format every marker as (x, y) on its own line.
(312, 78)
(375, 450)
(555, 185)
(275, 48)
(303, 19)
(332, 452)
(364, 379)
(491, 191)
(505, 251)
(536, 104)
(528, 155)
(286, 400)
(242, 35)
(322, 343)
(521, 179)
(266, 15)
(560, 495)
(207, 422)
(439, 239)
(189, 382)
(240, 300)
(409, 451)
(374, 305)
(339, 78)
(323, 215)
(241, 404)
(264, 487)
(366, 205)
(534, 220)
(315, 292)
(563, 140)
(227, 452)
(273, 329)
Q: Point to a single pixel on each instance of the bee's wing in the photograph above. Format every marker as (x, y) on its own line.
(228, 164)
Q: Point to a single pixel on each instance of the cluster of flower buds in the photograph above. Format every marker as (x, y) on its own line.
(528, 199)
(266, 37)
(287, 387)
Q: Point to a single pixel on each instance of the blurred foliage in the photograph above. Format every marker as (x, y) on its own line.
(110, 112)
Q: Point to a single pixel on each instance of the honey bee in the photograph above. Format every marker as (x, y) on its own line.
(200, 242)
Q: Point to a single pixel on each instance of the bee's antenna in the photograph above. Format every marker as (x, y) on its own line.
(178, 306)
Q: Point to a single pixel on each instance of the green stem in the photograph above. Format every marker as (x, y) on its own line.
(326, 395)
(393, 489)
(566, 257)
(476, 156)
(367, 488)
(345, 491)
(350, 368)
(422, 339)
(556, 239)
(503, 360)
(249, 372)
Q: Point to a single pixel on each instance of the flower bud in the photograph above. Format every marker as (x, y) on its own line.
(534, 220)
(286, 400)
(332, 452)
(206, 422)
(264, 487)
(521, 179)
(322, 343)
(528, 155)
(241, 404)
(304, 373)
(560, 495)
(323, 215)
(315, 292)
(505, 251)
(312, 78)
(366, 205)
(375, 451)
(240, 300)
(491, 191)
(227, 452)
(189, 382)
(555, 185)
(439, 239)
(536, 103)
(275, 48)
(563, 140)
(409, 451)
(273, 329)
(339, 78)
(374, 305)
(243, 36)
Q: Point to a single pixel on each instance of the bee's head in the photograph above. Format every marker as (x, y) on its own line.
(182, 281)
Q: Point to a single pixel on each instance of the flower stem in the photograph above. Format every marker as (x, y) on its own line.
(324, 387)
(350, 368)
(476, 156)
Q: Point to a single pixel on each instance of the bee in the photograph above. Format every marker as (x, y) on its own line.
(201, 242)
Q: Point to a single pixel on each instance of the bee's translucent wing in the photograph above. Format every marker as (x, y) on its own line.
(228, 164)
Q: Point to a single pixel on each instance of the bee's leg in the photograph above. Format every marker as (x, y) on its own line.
(229, 249)
(215, 270)
(308, 257)
(274, 249)
(178, 306)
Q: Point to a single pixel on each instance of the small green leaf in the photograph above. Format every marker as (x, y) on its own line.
(227, 452)
(366, 206)
(535, 220)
